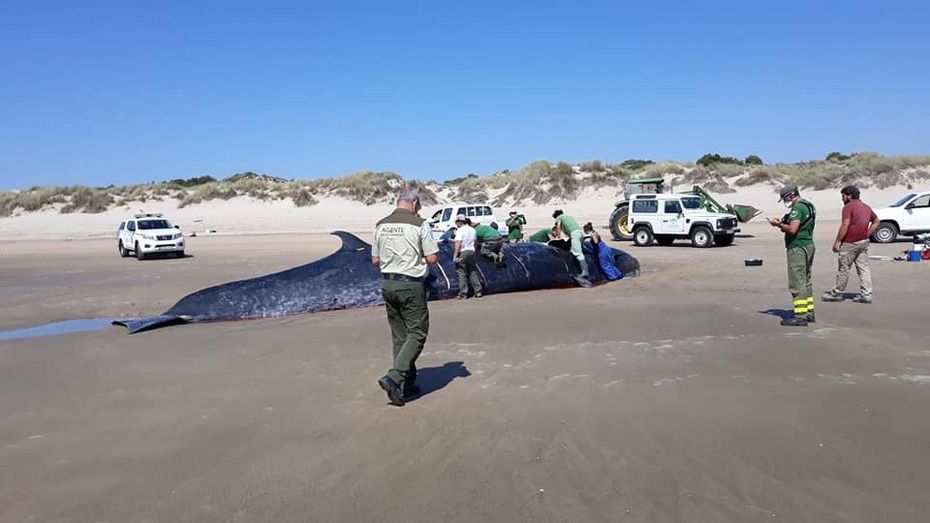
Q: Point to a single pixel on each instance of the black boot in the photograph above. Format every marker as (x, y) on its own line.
(394, 393)
(794, 321)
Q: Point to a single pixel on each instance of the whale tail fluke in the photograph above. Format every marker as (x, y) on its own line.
(351, 242)
(141, 324)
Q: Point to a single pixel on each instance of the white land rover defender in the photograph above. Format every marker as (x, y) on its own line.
(664, 218)
(444, 219)
(145, 234)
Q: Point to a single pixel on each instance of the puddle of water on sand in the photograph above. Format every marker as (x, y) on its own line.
(56, 328)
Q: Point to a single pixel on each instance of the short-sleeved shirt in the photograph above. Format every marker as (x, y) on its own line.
(486, 232)
(804, 212)
(569, 225)
(403, 241)
(466, 235)
(540, 236)
(859, 216)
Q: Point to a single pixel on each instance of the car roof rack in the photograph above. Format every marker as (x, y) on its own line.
(148, 215)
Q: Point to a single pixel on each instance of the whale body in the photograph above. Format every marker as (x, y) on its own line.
(347, 279)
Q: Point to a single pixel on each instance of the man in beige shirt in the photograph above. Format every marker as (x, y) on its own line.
(403, 249)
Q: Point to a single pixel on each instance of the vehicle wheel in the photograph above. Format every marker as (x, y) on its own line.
(723, 241)
(887, 232)
(701, 237)
(139, 255)
(122, 250)
(665, 241)
(619, 223)
(642, 237)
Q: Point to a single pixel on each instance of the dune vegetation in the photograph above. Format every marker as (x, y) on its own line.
(539, 182)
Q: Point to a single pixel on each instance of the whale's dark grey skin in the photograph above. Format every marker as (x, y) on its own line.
(347, 279)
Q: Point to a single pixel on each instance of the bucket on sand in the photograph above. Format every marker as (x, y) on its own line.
(913, 256)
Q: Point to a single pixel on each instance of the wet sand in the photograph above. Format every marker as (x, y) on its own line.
(672, 397)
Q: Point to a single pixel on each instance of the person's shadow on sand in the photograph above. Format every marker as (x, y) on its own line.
(431, 379)
(781, 313)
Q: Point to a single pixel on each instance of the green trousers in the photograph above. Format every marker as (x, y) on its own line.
(408, 316)
(800, 260)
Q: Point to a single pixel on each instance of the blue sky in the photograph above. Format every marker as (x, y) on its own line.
(123, 92)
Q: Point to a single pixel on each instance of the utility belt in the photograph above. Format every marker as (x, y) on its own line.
(401, 277)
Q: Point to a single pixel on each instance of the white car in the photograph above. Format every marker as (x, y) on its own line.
(146, 234)
(908, 216)
(444, 219)
(664, 218)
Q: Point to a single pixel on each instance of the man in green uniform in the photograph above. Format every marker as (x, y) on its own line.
(566, 223)
(515, 225)
(541, 236)
(491, 242)
(403, 249)
(798, 226)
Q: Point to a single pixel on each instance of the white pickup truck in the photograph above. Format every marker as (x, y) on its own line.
(908, 216)
(147, 233)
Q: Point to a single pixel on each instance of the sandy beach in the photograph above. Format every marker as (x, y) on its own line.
(675, 396)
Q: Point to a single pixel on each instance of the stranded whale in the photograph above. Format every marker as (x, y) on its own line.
(347, 279)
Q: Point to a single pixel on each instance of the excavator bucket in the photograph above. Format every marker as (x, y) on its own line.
(743, 213)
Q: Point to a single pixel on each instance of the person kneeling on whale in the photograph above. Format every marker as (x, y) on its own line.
(491, 243)
(566, 223)
(603, 253)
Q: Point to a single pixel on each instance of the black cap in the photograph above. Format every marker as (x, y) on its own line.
(788, 190)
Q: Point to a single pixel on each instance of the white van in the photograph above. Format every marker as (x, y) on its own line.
(444, 219)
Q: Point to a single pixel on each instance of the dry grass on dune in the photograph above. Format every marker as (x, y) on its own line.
(540, 182)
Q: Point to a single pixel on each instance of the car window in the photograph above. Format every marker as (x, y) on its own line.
(436, 215)
(447, 214)
(672, 207)
(487, 211)
(461, 211)
(691, 203)
(646, 206)
(131, 226)
(923, 201)
(122, 225)
(471, 212)
(902, 201)
(153, 224)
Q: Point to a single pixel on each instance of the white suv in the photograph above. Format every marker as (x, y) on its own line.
(909, 216)
(444, 219)
(664, 218)
(145, 234)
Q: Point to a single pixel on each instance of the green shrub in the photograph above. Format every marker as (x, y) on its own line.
(192, 182)
(635, 165)
(456, 181)
(753, 160)
(711, 158)
(836, 157)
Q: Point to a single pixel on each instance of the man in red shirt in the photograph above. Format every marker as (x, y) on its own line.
(852, 245)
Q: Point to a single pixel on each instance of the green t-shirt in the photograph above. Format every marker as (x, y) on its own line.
(540, 236)
(804, 212)
(486, 232)
(515, 226)
(569, 225)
